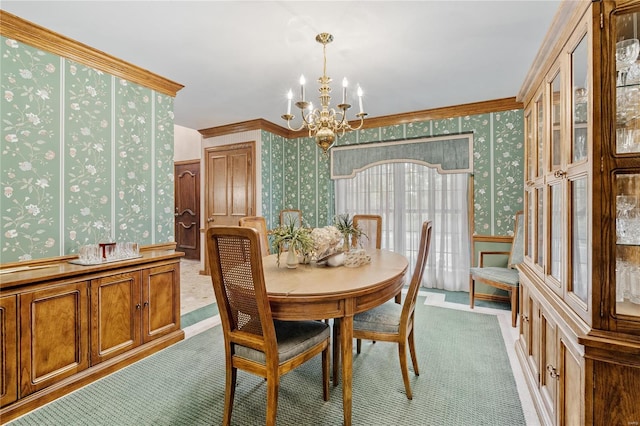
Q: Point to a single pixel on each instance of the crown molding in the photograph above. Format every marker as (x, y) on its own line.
(245, 126)
(485, 107)
(39, 37)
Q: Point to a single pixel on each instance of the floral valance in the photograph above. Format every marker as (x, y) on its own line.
(448, 154)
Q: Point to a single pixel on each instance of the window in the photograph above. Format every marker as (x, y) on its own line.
(405, 195)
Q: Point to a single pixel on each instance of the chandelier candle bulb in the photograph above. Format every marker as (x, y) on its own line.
(360, 99)
(289, 97)
(345, 83)
(302, 81)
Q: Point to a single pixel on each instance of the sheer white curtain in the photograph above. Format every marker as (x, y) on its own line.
(405, 195)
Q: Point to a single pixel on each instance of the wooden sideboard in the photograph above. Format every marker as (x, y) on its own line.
(65, 325)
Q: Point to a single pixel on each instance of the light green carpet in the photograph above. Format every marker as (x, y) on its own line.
(465, 380)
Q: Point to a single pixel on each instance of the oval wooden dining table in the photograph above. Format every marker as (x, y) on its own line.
(318, 292)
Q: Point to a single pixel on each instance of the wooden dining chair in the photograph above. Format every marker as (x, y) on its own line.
(371, 226)
(289, 215)
(503, 277)
(391, 322)
(254, 342)
(258, 223)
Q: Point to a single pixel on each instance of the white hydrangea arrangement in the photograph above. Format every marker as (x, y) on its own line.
(326, 241)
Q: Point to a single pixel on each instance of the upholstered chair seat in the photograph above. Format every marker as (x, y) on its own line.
(497, 274)
(381, 319)
(293, 337)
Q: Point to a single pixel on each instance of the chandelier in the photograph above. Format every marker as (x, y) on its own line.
(324, 123)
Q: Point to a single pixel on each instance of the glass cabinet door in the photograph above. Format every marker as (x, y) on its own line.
(580, 79)
(579, 283)
(628, 244)
(627, 176)
(556, 134)
(628, 84)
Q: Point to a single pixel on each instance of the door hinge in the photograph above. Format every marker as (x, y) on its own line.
(601, 309)
(602, 164)
(601, 20)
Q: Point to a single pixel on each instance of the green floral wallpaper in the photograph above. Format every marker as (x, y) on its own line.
(295, 174)
(85, 156)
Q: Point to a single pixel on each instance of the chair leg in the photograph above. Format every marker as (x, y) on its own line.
(412, 351)
(229, 393)
(273, 385)
(358, 345)
(472, 291)
(514, 307)
(402, 352)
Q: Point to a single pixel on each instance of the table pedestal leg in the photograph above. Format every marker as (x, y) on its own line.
(346, 344)
(336, 351)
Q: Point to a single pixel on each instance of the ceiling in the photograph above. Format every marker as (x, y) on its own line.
(238, 59)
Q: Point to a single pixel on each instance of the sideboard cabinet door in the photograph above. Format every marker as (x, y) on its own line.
(9, 346)
(54, 335)
(115, 315)
(160, 301)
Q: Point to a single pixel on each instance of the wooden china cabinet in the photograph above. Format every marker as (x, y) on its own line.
(579, 342)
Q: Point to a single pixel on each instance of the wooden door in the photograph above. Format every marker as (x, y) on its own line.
(160, 301)
(187, 208)
(54, 335)
(229, 185)
(8, 345)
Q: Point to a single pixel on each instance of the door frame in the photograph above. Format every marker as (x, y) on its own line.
(251, 145)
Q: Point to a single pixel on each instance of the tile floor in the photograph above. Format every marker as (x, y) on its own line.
(196, 290)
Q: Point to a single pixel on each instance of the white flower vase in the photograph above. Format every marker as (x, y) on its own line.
(292, 258)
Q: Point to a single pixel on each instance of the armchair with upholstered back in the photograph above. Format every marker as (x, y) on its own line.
(506, 276)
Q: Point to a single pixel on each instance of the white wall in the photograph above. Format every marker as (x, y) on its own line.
(187, 144)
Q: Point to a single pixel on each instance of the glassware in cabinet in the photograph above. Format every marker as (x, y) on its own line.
(627, 277)
(628, 84)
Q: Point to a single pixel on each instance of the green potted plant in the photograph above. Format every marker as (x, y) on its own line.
(349, 231)
(295, 239)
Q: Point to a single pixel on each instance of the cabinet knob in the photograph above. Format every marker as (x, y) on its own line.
(146, 304)
(553, 373)
(524, 318)
(137, 306)
(559, 173)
